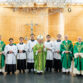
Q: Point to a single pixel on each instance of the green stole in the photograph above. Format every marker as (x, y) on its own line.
(66, 57)
(2, 45)
(79, 60)
(79, 47)
(67, 49)
(40, 58)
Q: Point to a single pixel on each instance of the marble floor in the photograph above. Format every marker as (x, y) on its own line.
(46, 78)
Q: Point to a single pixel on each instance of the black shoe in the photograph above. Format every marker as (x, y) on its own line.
(78, 75)
(47, 69)
(23, 71)
(1, 73)
(64, 72)
(39, 73)
(68, 73)
(19, 71)
(8, 73)
(13, 72)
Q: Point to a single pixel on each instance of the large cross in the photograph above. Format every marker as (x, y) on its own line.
(32, 25)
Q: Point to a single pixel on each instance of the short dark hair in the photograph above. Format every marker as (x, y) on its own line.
(11, 39)
(48, 35)
(21, 38)
(59, 35)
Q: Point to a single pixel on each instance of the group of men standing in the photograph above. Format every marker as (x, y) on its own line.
(39, 56)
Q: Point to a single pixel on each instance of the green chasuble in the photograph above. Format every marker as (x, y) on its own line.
(2, 57)
(66, 57)
(78, 61)
(39, 58)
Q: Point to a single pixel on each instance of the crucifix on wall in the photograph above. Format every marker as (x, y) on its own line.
(32, 26)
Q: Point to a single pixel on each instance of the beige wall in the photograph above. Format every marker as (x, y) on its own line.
(74, 22)
(13, 24)
(53, 24)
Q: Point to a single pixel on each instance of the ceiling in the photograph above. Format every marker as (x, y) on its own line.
(39, 1)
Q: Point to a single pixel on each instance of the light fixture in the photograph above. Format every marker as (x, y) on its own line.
(69, 9)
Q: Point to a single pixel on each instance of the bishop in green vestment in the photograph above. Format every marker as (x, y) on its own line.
(2, 57)
(66, 55)
(78, 57)
(39, 56)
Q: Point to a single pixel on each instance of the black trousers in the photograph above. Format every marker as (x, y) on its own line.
(21, 64)
(30, 66)
(10, 68)
(49, 65)
(57, 65)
